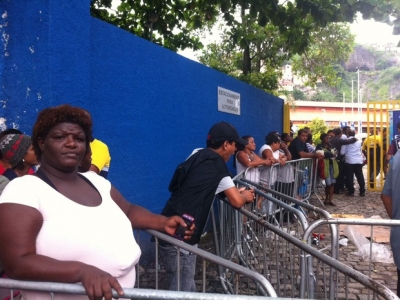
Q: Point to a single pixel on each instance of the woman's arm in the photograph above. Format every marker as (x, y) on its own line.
(257, 161)
(18, 254)
(267, 154)
(285, 149)
(141, 218)
(282, 158)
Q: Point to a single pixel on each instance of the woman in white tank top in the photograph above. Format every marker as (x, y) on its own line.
(62, 226)
(247, 159)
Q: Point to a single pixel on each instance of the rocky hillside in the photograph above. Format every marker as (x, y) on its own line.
(379, 72)
(368, 59)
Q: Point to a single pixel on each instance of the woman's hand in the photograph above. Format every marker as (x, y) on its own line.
(172, 224)
(268, 162)
(99, 284)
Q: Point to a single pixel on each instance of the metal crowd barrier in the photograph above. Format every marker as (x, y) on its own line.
(285, 255)
(241, 280)
(294, 179)
(369, 237)
(236, 280)
(77, 289)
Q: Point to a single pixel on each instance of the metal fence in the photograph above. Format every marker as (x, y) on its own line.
(366, 248)
(236, 280)
(284, 245)
(75, 289)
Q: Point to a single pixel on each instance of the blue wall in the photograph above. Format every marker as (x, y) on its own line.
(151, 106)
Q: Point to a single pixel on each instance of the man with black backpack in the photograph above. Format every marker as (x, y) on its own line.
(193, 187)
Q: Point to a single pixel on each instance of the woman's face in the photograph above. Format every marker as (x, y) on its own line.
(30, 157)
(64, 147)
(327, 139)
(275, 146)
(251, 145)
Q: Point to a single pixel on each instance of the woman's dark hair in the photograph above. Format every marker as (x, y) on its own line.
(51, 116)
(323, 136)
(351, 133)
(284, 136)
(272, 138)
(240, 147)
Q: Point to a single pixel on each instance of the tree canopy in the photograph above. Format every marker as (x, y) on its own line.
(175, 24)
(263, 50)
(259, 35)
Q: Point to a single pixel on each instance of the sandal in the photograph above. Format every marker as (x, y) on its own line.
(332, 204)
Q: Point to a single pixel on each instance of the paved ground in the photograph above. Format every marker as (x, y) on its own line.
(368, 206)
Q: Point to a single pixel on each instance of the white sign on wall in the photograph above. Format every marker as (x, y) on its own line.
(228, 101)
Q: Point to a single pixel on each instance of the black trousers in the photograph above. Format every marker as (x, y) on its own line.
(351, 170)
(374, 162)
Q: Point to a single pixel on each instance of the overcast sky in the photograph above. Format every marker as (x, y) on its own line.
(369, 32)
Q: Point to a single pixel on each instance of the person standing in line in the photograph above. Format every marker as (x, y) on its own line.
(71, 221)
(394, 145)
(337, 142)
(391, 200)
(345, 132)
(331, 133)
(291, 129)
(310, 143)
(331, 169)
(100, 158)
(298, 148)
(286, 139)
(193, 187)
(372, 150)
(245, 157)
(353, 165)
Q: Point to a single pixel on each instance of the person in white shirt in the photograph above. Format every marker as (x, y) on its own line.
(353, 165)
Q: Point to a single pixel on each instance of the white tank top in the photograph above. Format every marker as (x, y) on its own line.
(100, 236)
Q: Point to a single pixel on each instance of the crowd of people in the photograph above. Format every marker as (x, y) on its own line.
(339, 154)
(69, 206)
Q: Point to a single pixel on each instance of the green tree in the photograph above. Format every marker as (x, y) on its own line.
(323, 95)
(257, 64)
(259, 59)
(175, 22)
(172, 24)
(299, 95)
(329, 46)
(317, 127)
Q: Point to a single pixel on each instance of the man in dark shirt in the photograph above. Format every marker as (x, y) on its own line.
(298, 147)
